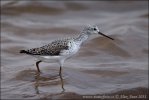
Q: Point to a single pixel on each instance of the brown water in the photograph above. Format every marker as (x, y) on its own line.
(101, 66)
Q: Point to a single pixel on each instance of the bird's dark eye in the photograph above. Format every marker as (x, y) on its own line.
(94, 29)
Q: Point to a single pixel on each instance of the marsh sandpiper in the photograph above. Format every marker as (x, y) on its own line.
(60, 50)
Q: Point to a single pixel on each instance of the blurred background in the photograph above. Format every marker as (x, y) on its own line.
(101, 66)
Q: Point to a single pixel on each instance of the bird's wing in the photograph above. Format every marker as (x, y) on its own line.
(52, 49)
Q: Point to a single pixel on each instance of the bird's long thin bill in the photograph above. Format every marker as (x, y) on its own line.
(105, 36)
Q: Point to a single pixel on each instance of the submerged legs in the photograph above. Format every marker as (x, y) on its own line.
(37, 63)
(60, 75)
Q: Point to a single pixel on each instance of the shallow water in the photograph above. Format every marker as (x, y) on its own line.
(101, 66)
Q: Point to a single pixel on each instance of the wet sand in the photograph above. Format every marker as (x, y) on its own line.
(115, 69)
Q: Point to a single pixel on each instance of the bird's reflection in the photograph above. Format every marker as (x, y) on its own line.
(39, 78)
(37, 82)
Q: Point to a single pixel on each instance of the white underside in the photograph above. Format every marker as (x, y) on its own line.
(49, 59)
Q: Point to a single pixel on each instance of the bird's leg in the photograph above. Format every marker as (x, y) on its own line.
(37, 63)
(62, 83)
(60, 70)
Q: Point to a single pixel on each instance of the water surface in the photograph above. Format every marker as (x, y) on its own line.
(101, 66)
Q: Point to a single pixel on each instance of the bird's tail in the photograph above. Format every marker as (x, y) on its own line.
(23, 51)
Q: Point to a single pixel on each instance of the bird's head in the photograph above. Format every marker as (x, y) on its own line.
(91, 30)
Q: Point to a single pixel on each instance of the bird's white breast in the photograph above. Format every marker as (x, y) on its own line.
(73, 48)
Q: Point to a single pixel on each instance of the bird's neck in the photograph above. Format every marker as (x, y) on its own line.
(81, 38)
